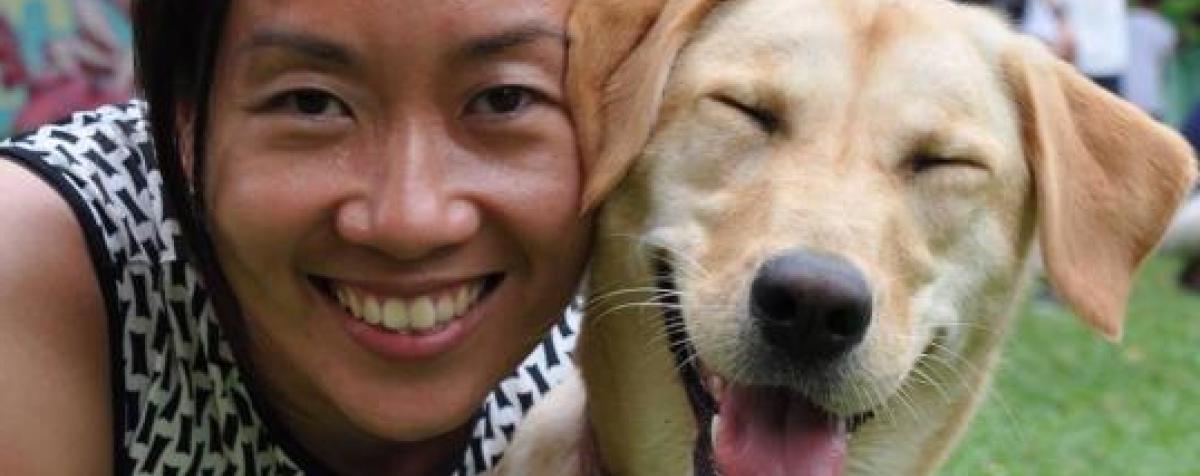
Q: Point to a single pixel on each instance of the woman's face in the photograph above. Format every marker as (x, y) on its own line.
(393, 194)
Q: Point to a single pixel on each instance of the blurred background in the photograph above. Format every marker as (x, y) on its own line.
(59, 56)
(1065, 402)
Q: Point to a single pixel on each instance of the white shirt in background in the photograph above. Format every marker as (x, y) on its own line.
(1101, 32)
(1151, 42)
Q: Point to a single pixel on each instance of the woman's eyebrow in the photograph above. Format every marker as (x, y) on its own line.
(483, 47)
(474, 49)
(304, 44)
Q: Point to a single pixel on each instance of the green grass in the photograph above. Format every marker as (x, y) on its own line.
(1067, 402)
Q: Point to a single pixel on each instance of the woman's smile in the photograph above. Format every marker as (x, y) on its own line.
(397, 321)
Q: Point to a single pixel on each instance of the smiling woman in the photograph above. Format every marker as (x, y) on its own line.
(352, 223)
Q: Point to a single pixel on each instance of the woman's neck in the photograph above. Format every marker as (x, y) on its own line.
(351, 452)
(327, 438)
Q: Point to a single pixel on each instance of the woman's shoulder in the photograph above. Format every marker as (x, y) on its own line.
(102, 163)
(53, 325)
(45, 251)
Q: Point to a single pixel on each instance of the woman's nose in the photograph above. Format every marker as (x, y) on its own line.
(413, 209)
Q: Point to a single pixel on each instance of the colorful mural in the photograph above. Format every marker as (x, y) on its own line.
(58, 56)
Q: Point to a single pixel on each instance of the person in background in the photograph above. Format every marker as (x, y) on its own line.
(1152, 41)
(1047, 20)
(1093, 34)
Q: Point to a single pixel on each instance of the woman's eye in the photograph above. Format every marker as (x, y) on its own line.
(309, 102)
(501, 100)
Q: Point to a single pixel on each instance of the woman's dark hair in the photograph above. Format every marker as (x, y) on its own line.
(175, 45)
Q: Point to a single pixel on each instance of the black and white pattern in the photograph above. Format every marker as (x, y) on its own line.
(181, 404)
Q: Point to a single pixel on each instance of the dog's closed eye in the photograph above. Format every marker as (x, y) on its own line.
(945, 172)
(925, 162)
(764, 118)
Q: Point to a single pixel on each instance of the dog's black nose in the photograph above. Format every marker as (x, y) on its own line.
(813, 307)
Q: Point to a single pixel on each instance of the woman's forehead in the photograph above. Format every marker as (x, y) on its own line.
(369, 34)
(390, 19)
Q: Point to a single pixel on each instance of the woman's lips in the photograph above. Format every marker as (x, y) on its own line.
(412, 325)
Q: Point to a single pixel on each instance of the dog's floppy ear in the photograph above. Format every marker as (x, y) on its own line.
(1107, 177)
(619, 59)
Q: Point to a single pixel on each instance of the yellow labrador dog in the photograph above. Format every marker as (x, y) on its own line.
(816, 218)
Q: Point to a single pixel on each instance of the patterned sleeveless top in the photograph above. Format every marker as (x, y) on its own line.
(181, 404)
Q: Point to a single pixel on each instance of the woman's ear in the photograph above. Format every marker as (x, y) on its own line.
(619, 59)
(1108, 180)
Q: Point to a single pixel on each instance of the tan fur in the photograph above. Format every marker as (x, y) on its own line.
(862, 89)
(620, 56)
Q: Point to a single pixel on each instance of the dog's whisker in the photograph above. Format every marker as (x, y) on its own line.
(967, 365)
(905, 396)
(894, 405)
(999, 398)
(681, 262)
(898, 396)
(599, 305)
(944, 362)
(680, 259)
(863, 396)
(613, 310)
(627, 291)
(597, 295)
(651, 297)
(975, 326)
(886, 413)
(922, 377)
(647, 300)
(956, 374)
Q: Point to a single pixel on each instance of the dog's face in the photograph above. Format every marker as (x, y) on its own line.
(843, 195)
(884, 153)
(839, 204)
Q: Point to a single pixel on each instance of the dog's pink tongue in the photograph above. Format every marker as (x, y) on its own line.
(770, 432)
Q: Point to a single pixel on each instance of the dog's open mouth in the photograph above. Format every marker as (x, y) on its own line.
(749, 430)
(769, 430)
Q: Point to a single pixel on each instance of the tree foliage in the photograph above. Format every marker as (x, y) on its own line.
(1186, 15)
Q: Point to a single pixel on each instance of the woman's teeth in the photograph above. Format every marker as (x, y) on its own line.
(415, 314)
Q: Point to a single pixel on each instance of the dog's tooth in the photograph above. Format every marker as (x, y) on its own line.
(713, 428)
(422, 314)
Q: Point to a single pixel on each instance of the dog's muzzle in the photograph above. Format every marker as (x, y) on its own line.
(811, 309)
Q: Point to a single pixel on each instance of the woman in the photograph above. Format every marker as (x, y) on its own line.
(379, 202)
